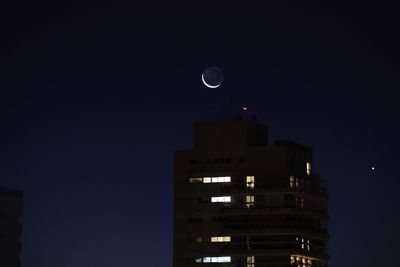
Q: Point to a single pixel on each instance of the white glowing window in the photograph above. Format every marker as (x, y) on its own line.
(217, 179)
(220, 259)
(221, 179)
(250, 182)
(206, 259)
(195, 180)
(308, 168)
(221, 199)
(220, 239)
(217, 259)
(197, 260)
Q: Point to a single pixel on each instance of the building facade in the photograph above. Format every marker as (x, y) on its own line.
(239, 201)
(11, 205)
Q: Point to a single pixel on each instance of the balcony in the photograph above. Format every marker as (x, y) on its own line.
(295, 228)
(255, 210)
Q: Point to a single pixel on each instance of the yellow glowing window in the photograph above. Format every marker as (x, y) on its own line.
(221, 199)
(195, 180)
(251, 261)
(250, 182)
(300, 261)
(206, 180)
(249, 201)
(220, 239)
(308, 168)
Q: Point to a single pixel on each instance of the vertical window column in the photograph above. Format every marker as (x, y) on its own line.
(308, 168)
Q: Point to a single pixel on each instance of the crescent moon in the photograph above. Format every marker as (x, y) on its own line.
(206, 84)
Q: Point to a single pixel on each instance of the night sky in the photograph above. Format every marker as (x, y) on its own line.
(96, 96)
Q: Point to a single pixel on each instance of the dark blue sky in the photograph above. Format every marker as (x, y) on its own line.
(95, 97)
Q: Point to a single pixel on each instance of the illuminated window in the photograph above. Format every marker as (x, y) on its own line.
(250, 182)
(221, 259)
(208, 180)
(221, 199)
(197, 260)
(198, 239)
(220, 239)
(221, 179)
(249, 201)
(300, 261)
(308, 245)
(250, 261)
(308, 168)
(195, 180)
(297, 182)
(292, 184)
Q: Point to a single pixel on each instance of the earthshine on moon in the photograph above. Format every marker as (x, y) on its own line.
(212, 77)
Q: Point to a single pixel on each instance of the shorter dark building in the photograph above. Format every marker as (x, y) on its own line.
(11, 206)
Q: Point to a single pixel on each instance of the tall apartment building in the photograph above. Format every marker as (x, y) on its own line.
(11, 205)
(241, 202)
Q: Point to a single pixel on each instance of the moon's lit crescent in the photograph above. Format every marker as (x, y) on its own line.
(206, 84)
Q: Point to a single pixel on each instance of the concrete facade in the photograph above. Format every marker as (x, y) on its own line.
(239, 201)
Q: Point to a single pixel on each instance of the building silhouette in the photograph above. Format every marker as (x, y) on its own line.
(11, 205)
(239, 201)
